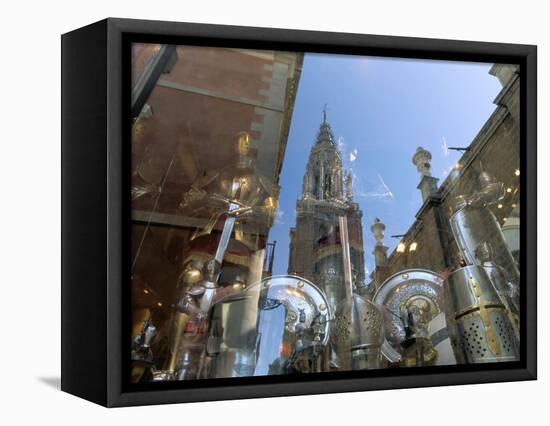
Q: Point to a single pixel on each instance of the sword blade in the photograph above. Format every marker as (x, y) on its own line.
(346, 257)
(226, 235)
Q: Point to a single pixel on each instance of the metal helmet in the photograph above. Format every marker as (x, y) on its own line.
(357, 334)
(479, 324)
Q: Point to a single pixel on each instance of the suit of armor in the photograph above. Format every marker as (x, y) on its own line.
(245, 203)
(482, 295)
(476, 229)
(235, 190)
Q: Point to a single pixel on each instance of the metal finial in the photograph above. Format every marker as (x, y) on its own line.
(325, 113)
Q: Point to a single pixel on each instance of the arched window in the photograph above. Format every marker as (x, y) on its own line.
(327, 184)
(322, 234)
(316, 186)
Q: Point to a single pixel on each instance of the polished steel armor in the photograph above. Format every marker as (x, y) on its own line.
(479, 324)
(277, 326)
(357, 334)
(475, 228)
(397, 296)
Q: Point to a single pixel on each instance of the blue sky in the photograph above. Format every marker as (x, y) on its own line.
(380, 111)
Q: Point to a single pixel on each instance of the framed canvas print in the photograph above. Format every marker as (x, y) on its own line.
(257, 212)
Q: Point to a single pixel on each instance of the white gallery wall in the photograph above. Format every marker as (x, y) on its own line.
(30, 211)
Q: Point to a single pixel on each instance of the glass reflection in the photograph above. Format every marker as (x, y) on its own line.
(249, 250)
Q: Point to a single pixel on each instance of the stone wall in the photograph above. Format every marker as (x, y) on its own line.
(494, 150)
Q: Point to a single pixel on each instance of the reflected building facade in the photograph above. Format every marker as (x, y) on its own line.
(429, 242)
(236, 104)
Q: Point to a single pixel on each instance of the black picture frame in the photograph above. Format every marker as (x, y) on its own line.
(96, 213)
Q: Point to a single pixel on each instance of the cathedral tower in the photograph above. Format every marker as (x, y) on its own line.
(315, 245)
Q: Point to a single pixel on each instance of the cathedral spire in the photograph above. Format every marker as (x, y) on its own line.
(325, 131)
(324, 179)
(328, 236)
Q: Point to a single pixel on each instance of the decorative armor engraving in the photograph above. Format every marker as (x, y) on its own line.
(357, 334)
(411, 298)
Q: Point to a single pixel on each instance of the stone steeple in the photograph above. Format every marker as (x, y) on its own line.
(315, 242)
(323, 178)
